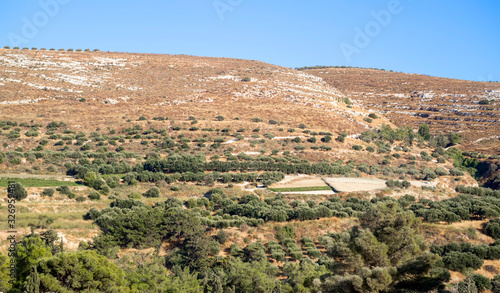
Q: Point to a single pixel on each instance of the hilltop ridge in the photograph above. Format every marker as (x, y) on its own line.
(114, 85)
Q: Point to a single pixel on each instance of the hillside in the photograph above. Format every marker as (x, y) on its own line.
(250, 177)
(117, 85)
(448, 105)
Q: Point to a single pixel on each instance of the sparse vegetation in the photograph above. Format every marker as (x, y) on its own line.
(195, 189)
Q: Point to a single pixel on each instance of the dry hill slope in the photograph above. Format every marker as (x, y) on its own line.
(445, 104)
(117, 86)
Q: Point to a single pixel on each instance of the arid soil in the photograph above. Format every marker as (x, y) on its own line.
(412, 99)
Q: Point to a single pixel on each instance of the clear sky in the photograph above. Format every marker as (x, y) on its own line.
(448, 38)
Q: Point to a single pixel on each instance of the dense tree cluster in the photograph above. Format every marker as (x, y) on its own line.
(492, 228)
(459, 256)
(462, 207)
(386, 253)
(479, 191)
(396, 183)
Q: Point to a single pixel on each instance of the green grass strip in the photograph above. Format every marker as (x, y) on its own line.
(33, 182)
(294, 189)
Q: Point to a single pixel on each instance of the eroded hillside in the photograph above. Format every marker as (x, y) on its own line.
(52, 84)
(448, 105)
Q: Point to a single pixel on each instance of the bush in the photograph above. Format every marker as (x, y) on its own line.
(278, 255)
(94, 195)
(441, 172)
(48, 192)
(246, 79)
(285, 232)
(493, 228)
(482, 283)
(313, 252)
(31, 133)
(370, 149)
(326, 139)
(214, 248)
(459, 261)
(456, 172)
(80, 198)
(113, 181)
(357, 147)
(63, 189)
(221, 236)
(296, 254)
(373, 116)
(19, 192)
(219, 118)
(152, 192)
(134, 195)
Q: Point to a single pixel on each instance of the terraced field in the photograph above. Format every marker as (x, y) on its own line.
(468, 107)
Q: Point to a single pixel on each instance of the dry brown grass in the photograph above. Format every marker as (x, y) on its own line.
(465, 231)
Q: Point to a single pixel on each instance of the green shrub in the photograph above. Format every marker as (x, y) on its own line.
(31, 133)
(134, 195)
(456, 172)
(493, 228)
(113, 181)
(80, 198)
(152, 192)
(63, 189)
(94, 195)
(278, 255)
(19, 192)
(482, 283)
(459, 261)
(48, 192)
(221, 236)
(357, 147)
(296, 254)
(313, 252)
(440, 172)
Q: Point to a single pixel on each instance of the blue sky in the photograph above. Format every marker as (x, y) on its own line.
(448, 38)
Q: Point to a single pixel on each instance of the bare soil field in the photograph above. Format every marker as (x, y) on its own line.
(345, 184)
